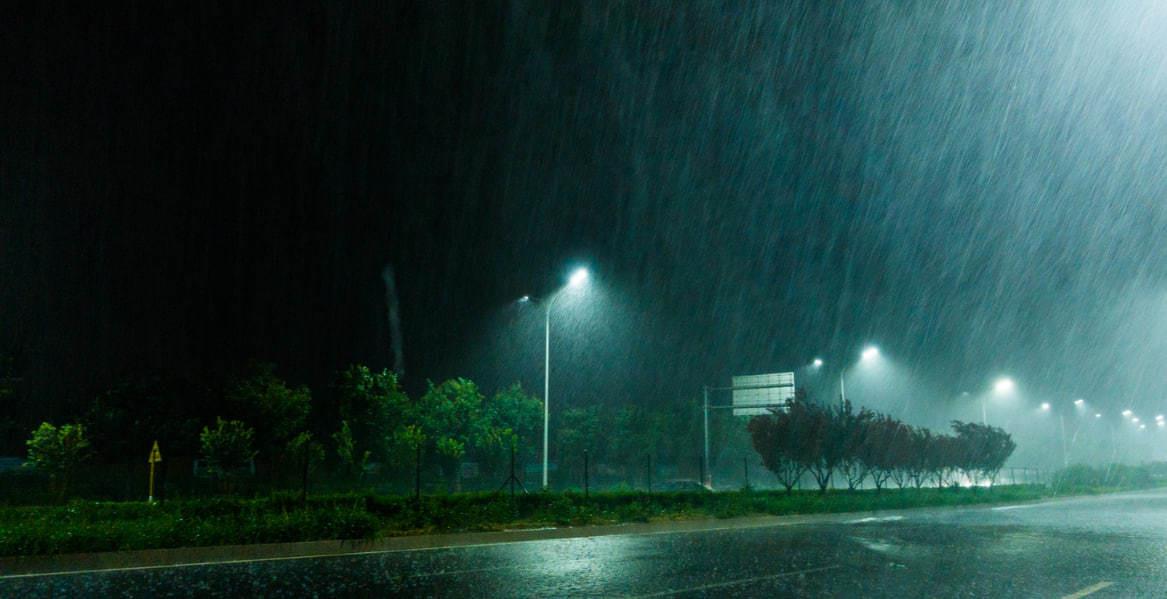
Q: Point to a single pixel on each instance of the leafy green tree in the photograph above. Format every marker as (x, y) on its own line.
(352, 459)
(512, 416)
(453, 417)
(57, 452)
(302, 446)
(227, 448)
(372, 405)
(580, 429)
(278, 411)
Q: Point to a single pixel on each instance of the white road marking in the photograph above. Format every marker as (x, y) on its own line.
(740, 581)
(1016, 507)
(1090, 590)
(875, 519)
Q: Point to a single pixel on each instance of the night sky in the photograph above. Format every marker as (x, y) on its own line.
(185, 188)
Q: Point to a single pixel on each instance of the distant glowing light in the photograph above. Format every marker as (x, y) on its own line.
(525, 298)
(1078, 402)
(578, 278)
(1161, 424)
(1096, 415)
(870, 353)
(818, 362)
(1004, 386)
(1045, 406)
(1127, 413)
(1142, 426)
(1159, 417)
(1135, 420)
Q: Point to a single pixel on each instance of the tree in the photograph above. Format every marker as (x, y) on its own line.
(579, 430)
(878, 451)
(125, 420)
(515, 417)
(776, 439)
(57, 452)
(853, 429)
(227, 449)
(279, 411)
(352, 459)
(985, 449)
(372, 406)
(452, 416)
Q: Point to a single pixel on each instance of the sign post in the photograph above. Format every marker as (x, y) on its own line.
(753, 395)
(155, 457)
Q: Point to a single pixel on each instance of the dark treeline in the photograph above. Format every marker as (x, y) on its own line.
(823, 441)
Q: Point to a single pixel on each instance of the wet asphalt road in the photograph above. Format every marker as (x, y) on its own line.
(1116, 544)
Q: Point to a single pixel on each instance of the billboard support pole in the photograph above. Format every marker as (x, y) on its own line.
(708, 476)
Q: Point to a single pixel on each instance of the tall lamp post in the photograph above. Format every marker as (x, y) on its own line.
(577, 279)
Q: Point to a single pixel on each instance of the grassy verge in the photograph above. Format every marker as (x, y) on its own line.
(111, 526)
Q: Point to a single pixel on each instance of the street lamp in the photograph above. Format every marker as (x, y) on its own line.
(868, 354)
(1045, 406)
(578, 279)
(818, 363)
(1004, 386)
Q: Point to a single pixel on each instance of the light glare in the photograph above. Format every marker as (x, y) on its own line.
(1004, 385)
(870, 353)
(579, 277)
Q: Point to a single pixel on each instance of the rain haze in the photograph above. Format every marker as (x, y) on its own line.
(974, 188)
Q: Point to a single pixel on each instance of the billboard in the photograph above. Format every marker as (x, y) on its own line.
(755, 394)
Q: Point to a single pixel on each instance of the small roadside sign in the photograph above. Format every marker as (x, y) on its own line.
(155, 457)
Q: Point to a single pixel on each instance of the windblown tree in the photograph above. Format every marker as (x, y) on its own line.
(985, 450)
(853, 430)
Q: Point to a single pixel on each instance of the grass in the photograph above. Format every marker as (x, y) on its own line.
(111, 526)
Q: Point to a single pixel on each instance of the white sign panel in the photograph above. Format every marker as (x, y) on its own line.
(764, 391)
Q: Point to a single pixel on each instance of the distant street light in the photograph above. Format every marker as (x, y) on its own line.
(1079, 402)
(1135, 420)
(1097, 415)
(818, 363)
(1004, 386)
(869, 353)
(1127, 413)
(1045, 406)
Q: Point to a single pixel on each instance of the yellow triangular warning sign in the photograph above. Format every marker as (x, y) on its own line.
(155, 455)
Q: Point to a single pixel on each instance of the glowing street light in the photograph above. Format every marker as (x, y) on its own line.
(1127, 413)
(1079, 402)
(818, 363)
(1004, 386)
(1097, 415)
(1045, 406)
(869, 354)
(578, 279)
(1135, 420)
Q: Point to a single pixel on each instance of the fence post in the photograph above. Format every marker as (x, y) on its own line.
(512, 478)
(304, 474)
(585, 473)
(417, 476)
